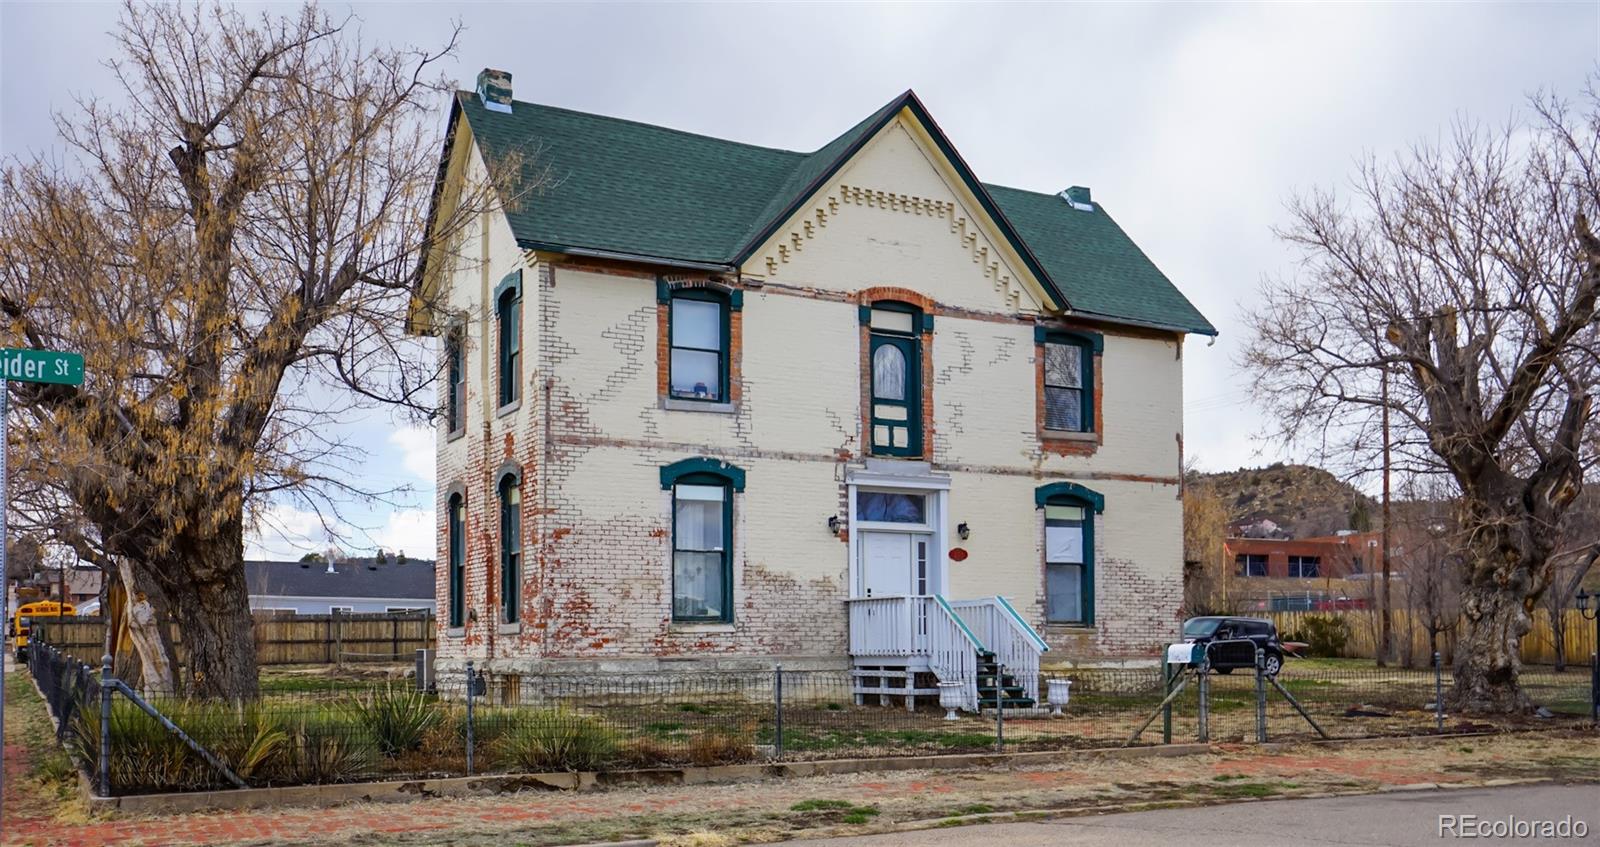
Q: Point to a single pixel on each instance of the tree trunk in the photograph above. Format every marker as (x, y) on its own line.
(1488, 657)
(1558, 634)
(157, 656)
(201, 585)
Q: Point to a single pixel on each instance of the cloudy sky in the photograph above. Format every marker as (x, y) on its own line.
(1192, 123)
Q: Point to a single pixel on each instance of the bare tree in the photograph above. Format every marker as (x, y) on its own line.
(1577, 555)
(1206, 569)
(232, 245)
(1467, 272)
(1428, 546)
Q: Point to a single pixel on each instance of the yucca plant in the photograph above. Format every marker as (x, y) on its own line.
(398, 718)
(555, 739)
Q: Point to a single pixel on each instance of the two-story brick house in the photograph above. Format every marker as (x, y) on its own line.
(713, 403)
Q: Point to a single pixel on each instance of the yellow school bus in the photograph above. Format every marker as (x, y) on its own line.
(30, 612)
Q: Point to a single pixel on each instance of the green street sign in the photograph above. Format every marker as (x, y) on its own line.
(41, 366)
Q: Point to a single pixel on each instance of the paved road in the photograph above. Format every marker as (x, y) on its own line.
(1402, 819)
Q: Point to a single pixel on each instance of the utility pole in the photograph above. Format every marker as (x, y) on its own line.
(1385, 641)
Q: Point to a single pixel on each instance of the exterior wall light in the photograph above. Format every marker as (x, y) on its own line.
(833, 524)
(963, 530)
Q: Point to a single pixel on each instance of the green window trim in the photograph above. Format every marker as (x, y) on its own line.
(456, 380)
(728, 485)
(1069, 491)
(892, 416)
(670, 474)
(508, 489)
(1089, 346)
(508, 324)
(457, 545)
(724, 352)
(1071, 494)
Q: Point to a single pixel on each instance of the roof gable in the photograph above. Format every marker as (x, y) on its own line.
(629, 190)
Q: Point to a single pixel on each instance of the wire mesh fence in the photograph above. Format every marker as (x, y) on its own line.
(335, 730)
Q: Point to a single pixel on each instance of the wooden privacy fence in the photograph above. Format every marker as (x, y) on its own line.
(1411, 636)
(283, 639)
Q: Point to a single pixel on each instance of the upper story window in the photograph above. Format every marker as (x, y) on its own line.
(895, 378)
(508, 319)
(510, 492)
(698, 339)
(455, 381)
(1068, 384)
(456, 528)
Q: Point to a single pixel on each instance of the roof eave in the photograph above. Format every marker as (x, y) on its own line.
(623, 256)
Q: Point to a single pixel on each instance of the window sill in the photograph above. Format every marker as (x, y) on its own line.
(508, 628)
(1068, 626)
(672, 404)
(508, 408)
(701, 627)
(1069, 435)
(455, 435)
(455, 632)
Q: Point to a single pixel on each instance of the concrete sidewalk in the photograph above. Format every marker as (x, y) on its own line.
(1402, 819)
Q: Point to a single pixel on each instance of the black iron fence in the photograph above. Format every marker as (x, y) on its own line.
(342, 731)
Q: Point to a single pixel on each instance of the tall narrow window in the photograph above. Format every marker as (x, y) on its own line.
(456, 526)
(508, 314)
(702, 538)
(456, 377)
(699, 345)
(510, 490)
(1068, 393)
(895, 380)
(1069, 562)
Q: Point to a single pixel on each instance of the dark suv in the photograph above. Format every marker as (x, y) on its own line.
(1226, 657)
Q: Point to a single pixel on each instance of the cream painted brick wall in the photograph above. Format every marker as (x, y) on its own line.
(597, 526)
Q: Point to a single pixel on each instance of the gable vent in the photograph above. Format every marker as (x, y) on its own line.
(1078, 196)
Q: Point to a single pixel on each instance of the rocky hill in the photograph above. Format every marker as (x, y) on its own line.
(1288, 501)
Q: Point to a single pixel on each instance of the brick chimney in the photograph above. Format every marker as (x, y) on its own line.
(494, 90)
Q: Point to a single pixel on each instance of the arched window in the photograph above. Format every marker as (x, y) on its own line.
(698, 338)
(1069, 551)
(896, 378)
(508, 319)
(456, 530)
(510, 492)
(456, 377)
(702, 538)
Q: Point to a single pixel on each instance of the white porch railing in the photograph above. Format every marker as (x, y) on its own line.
(924, 628)
(1016, 646)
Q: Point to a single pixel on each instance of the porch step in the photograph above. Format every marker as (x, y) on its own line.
(1010, 702)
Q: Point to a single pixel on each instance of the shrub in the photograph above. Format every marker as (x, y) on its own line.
(1325, 635)
(555, 739)
(645, 751)
(319, 749)
(721, 747)
(398, 718)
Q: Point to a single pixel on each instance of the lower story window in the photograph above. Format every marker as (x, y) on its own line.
(1304, 567)
(701, 538)
(1068, 569)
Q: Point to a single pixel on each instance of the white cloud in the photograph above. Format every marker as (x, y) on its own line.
(416, 446)
(410, 531)
(286, 532)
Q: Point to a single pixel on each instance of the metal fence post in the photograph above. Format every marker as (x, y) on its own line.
(1205, 699)
(1438, 692)
(999, 708)
(1261, 696)
(1594, 688)
(471, 685)
(777, 700)
(105, 725)
(1167, 675)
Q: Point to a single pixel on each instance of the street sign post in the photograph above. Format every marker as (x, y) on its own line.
(48, 366)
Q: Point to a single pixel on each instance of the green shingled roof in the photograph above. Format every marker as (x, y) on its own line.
(618, 186)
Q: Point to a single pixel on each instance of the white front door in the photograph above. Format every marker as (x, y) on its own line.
(894, 564)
